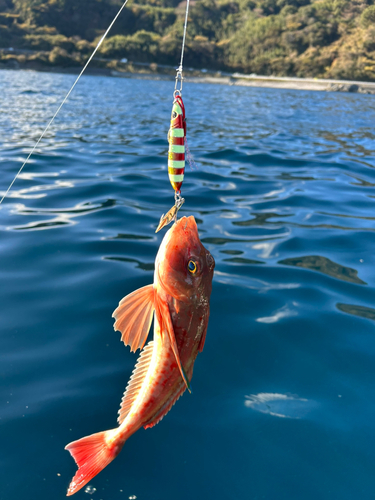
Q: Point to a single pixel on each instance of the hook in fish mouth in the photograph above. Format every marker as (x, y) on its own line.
(171, 214)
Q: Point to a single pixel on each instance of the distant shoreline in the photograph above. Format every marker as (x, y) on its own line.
(155, 72)
(291, 83)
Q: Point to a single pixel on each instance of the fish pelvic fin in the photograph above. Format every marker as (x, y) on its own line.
(92, 454)
(134, 317)
(167, 322)
(136, 380)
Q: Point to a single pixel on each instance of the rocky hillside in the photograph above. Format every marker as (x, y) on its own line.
(305, 38)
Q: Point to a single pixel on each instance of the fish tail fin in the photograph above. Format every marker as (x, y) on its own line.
(92, 454)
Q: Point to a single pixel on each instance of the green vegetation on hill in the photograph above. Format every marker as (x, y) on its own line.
(305, 38)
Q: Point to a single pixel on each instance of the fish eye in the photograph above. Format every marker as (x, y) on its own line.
(192, 266)
(174, 114)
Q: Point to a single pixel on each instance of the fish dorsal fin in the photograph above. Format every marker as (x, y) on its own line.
(136, 380)
(134, 316)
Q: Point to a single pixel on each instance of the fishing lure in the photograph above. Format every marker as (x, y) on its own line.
(176, 157)
(176, 139)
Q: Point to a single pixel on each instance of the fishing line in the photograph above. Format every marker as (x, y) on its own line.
(178, 148)
(65, 99)
(179, 76)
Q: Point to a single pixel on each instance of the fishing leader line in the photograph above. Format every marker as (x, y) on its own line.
(179, 76)
(64, 100)
(178, 145)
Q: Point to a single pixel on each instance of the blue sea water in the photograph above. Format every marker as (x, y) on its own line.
(283, 397)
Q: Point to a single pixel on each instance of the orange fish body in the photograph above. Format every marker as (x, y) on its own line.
(179, 302)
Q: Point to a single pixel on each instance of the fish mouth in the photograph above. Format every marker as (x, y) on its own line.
(180, 245)
(190, 236)
(184, 232)
(187, 223)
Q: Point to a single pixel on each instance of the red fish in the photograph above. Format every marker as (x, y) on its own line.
(179, 301)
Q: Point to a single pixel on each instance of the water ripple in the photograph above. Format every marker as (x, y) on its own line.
(361, 311)
(283, 195)
(324, 266)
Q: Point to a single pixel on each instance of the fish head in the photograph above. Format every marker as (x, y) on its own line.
(184, 267)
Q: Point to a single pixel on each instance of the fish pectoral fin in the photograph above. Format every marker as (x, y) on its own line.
(167, 321)
(134, 317)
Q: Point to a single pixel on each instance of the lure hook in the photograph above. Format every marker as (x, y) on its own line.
(172, 213)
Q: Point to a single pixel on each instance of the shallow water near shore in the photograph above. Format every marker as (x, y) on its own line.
(284, 196)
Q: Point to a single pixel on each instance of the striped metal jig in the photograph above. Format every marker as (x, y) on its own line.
(176, 157)
(176, 139)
